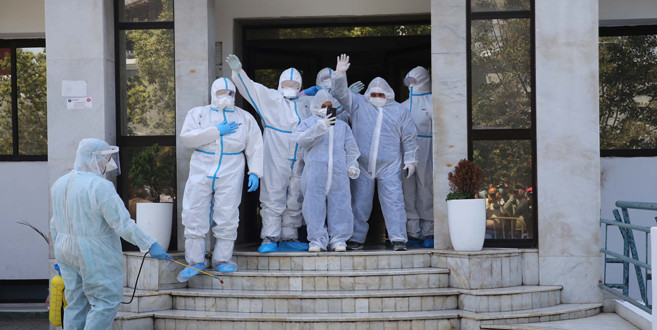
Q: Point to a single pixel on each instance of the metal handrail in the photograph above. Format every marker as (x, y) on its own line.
(630, 254)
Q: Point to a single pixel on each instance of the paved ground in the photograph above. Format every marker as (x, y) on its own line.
(602, 321)
(22, 324)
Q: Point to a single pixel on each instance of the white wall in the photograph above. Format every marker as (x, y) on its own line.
(226, 11)
(629, 179)
(22, 19)
(627, 9)
(24, 191)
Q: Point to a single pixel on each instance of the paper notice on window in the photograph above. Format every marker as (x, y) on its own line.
(74, 88)
(77, 103)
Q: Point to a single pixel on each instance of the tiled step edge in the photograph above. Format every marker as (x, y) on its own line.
(315, 317)
(352, 260)
(317, 301)
(510, 298)
(329, 280)
(555, 313)
(146, 301)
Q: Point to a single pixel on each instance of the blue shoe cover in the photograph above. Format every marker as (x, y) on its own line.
(226, 268)
(269, 247)
(412, 243)
(188, 273)
(428, 243)
(292, 246)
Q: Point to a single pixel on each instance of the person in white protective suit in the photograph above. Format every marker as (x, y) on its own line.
(88, 216)
(280, 111)
(331, 158)
(323, 81)
(385, 135)
(222, 136)
(418, 189)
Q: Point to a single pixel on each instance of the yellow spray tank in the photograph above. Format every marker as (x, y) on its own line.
(57, 299)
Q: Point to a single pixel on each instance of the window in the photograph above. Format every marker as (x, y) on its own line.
(501, 116)
(23, 106)
(146, 100)
(628, 91)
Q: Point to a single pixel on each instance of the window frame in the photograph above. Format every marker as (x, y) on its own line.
(617, 31)
(492, 134)
(14, 44)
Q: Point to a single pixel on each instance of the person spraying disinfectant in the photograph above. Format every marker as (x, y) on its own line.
(88, 219)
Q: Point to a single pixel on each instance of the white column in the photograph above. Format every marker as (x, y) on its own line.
(450, 109)
(194, 35)
(80, 47)
(568, 149)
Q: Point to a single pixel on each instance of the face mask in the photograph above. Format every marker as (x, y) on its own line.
(289, 92)
(111, 166)
(378, 101)
(223, 101)
(326, 84)
(321, 112)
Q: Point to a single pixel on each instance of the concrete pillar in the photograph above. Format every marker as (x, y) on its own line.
(80, 47)
(568, 149)
(194, 35)
(450, 108)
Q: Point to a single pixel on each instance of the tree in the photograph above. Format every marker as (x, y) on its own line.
(501, 91)
(628, 92)
(151, 93)
(32, 103)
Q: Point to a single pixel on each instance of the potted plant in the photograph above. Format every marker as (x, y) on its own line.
(152, 175)
(466, 215)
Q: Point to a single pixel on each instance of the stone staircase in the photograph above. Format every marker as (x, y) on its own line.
(372, 289)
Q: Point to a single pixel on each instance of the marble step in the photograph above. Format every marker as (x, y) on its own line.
(350, 260)
(305, 302)
(177, 319)
(146, 301)
(470, 320)
(510, 298)
(281, 280)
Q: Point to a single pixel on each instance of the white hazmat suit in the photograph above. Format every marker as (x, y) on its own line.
(88, 218)
(385, 136)
(280, 196)
(329, 152)
(216, 173)
(418, 189)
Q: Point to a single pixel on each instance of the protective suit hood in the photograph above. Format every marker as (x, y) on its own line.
(85, 160)
(379, 85)
(221, 84)
(319, 99)
(322, 80)
(421, 80)
(290, 74)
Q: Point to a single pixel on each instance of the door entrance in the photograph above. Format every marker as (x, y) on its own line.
(388, 51)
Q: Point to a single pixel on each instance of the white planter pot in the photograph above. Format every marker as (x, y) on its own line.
(155, 219)
(467, 223)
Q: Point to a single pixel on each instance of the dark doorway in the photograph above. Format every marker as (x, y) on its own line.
(387, 50)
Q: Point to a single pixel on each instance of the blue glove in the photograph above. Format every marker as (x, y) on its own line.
(312, 90)
(227, 128)
(254, 182)
(157, 252)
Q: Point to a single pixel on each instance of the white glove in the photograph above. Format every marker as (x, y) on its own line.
(234, 63)
(327, 121)
(409, 169)
(353, 172)
(356, 87)
(343, 64)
